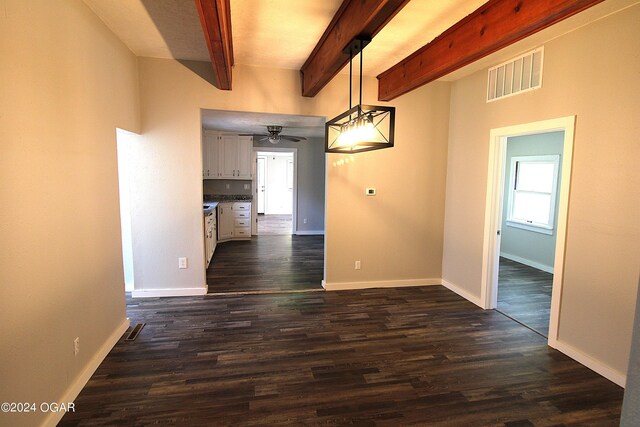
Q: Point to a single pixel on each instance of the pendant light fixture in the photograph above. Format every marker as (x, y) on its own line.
(363, 127)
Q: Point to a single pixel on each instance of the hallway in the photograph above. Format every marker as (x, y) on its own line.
(268, 264)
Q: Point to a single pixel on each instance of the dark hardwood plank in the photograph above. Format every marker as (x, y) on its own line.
(354, 18)
(407, 356)
(267, 263)
(524, 293)
(493, 26)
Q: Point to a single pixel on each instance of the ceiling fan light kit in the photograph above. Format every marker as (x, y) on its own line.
(363, 127)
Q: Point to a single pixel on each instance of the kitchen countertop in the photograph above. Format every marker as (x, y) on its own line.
(208, 207)
(227, 198)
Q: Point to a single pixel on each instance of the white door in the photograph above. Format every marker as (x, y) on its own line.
(278, 197)
(260, 183)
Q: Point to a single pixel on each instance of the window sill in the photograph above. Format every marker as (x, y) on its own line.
(529, 227)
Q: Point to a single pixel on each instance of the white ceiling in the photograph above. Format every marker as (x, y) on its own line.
(155, 28)
(282, 33)
(256, 123)
(271, 33)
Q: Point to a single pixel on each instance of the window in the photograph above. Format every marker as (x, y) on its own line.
(532, 193)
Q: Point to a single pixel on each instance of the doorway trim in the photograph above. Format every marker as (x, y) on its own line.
(254, 206)
(494, 206)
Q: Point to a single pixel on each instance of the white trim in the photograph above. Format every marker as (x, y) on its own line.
(310, 232)
(534, 228)
(463, 293)
(72, 392)
(254, 172)
(534, 264)
(169, 292)
(340, 286)
(493, 210)
(592, 363)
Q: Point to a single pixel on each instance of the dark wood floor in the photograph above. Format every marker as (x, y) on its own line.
(275, 225)
(394, 357)
(267, 263)
(524, 293)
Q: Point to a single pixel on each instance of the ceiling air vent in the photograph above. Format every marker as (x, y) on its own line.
(517, 75)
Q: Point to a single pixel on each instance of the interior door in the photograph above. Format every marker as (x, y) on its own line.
(260, 183)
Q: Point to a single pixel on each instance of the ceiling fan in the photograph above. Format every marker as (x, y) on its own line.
(274, 136)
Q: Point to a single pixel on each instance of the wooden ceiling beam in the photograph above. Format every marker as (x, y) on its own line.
(354, 18)
(215, 17)
(493, 26)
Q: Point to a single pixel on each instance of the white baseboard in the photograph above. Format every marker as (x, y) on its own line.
(76, 387)
(169, 292)
(341, 286)
(310, 232)
(534, 264)
(463, 293)
(594, 364)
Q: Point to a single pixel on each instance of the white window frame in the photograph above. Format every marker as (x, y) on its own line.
(532, 226)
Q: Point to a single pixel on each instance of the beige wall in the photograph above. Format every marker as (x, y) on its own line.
(397, 235)
(66, 83)
(591, 73)
(168, 178)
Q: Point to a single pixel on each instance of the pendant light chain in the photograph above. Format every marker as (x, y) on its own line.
(361, 49)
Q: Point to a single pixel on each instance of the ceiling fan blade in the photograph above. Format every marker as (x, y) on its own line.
(289, 138)
(293, 138)
(263, 139)
(253, 134)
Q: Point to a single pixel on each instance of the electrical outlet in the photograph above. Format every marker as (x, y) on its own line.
(227, 186)
(357, 265)
(370, 191)
(305, 220)
(182, 262)
(246, 186)
(76, 346)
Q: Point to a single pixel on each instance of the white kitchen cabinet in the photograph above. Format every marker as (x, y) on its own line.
(241, 220)
(225, 221)
(234, 220)
(234, 153)
(245, 147)
(228, 156)
(210, 156)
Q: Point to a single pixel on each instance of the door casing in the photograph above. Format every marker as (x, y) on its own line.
(493, 211)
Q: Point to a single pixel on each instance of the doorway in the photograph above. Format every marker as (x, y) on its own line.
(275, 181)
(527, 194)
(528, 228)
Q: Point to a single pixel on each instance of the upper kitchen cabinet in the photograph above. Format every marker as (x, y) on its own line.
(210, 156)
(229, 156)
(245, 147)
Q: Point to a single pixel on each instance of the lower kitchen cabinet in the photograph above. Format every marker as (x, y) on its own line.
(234, 220)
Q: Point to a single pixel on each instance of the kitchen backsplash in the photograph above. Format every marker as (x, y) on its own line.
(219, 186)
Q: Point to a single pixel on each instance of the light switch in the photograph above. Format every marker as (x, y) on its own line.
(182, 262)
